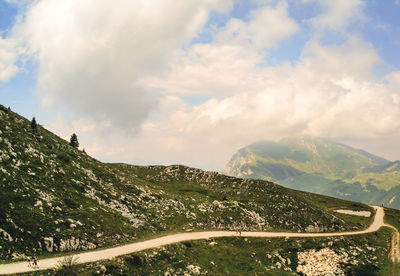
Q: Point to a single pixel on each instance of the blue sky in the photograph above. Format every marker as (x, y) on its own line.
(8, 14)
(383, 30)
(381, 27)
(169, 82)
(18, 91)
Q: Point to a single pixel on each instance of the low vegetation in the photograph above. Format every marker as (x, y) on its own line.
(358, 255)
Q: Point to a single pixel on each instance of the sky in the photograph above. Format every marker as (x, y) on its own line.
(191, 82)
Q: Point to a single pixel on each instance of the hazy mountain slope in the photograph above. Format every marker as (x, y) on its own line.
(307, 155)
(378, 160)
(321, 166)
(385, 177)
(56, 198)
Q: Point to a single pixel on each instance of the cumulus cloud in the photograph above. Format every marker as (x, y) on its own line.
(331, 91)
(91, 54)
(219, 68)
(114, 64)
(8, 58)
(261, 31)
(337, 15)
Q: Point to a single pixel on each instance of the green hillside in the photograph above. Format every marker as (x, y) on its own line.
(321, 166)
(384, 177)
(56, 198)
(366, 256)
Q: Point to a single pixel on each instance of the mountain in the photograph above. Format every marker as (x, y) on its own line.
(55, 197)
(321, 166)
(293, 157)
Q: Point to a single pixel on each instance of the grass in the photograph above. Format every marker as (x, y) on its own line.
(247, 256)
(388, 269)
(382, 180)
(392, 216)
(331, 203)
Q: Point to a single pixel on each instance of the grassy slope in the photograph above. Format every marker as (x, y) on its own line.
(247, 256)
(314, 155)
(392, 217)
(52, 194)
(382, 180)
(367, 255)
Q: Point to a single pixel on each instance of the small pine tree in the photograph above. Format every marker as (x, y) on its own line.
(33, 125)
(73, 142)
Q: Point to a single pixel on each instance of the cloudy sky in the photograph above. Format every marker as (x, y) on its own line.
(191, 81)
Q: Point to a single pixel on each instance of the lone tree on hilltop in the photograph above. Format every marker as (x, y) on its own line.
(73, 142)
(33, 125)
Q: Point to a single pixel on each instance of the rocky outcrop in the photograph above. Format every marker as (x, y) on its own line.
(70, 244)
(237, 162)
(75, 244)
(316, 229)
(322, 262)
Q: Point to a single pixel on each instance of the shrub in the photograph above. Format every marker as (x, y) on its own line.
(33, 125)
(73, 142)
(63, 157)
(67, 266)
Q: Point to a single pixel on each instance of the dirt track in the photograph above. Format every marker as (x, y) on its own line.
(394, 253)
(103, 254)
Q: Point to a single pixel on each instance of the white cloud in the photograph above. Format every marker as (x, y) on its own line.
(8, 58)
(91, 53)
(218, 69)
(334, 61)
(267, 26)
(337, 15)
(331, 91)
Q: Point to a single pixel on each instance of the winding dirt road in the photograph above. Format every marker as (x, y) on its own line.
(103, 254)
(394, 253)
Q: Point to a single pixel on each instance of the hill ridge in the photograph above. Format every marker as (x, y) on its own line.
(57, 198)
